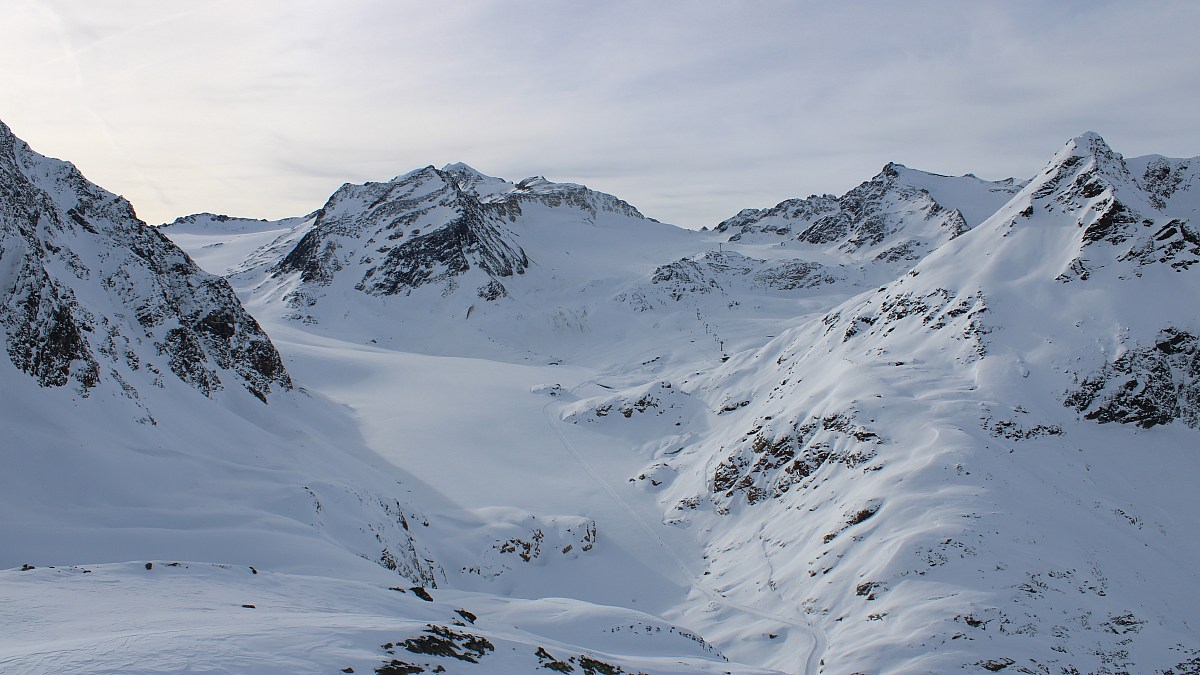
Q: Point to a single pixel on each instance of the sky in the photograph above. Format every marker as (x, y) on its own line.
(690, 110)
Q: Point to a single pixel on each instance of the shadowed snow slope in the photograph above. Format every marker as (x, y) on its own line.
(135, 404)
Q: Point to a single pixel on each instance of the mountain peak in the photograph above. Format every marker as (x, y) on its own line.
(1087, 153)
(474, 181)
(1090, 145)
(9, 143)
(428, 170)
(1089, 137)
(462, 167)
(531, 182)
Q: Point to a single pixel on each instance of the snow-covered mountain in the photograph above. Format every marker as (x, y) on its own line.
(135, 400)
(92, 295)
(444, 229)
(936, 424)
(925, 469)
(913, 475)
(148, 418)
(899, 215)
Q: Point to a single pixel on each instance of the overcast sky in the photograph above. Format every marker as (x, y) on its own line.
(689, 110)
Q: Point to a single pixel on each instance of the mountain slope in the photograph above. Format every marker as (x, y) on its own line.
(925, 469)
(514, 268)
(1170, 184)
(899, 215)
(976, 456)
(134, 400)
(442, 228)
(451, 236)
(70, 246)
(264, 538)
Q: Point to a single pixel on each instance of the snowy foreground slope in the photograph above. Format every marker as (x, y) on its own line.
(174, 499)
(935, 424)
(186, 617)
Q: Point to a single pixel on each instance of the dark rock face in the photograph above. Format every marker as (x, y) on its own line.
(470, 241)
(538, 190)
(863, 219)
(794, 274)
(44, 339)
(315, 260)
(1177, 243)
(771, 459)
(684, 277)
(1146, 385)
(1163, 178)
(1091, 173)
(719, 272)
(429, 228)
(809, 209)
(417, 230)
(88, 292)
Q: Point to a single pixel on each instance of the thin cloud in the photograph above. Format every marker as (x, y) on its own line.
(691, 111)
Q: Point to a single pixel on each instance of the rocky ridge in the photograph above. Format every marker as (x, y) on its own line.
(895, 216)
(429, 228)
(93, 295)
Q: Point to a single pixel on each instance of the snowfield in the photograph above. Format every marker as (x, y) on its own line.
(171, 617)
(935, 424)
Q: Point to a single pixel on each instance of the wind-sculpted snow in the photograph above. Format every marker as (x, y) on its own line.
(92, 295)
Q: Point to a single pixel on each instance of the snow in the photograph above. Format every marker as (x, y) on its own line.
(930, 472)
(659, 448)
(975, 198)
(168, 616)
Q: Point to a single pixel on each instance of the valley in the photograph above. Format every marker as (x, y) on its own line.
(936, 423)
